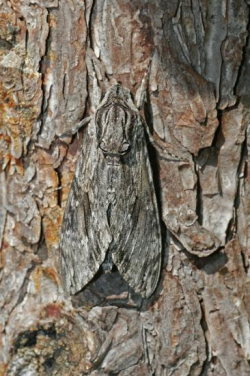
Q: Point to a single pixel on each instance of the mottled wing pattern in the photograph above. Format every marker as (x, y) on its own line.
(137, 254)
(85, 236)
(112, 202)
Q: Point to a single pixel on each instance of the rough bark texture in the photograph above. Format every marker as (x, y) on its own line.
(198, 100)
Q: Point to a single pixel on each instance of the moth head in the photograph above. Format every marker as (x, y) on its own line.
(114, 128)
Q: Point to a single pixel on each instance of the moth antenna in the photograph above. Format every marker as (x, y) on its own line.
(97, 93)
(75, 130)
(58, 188)
(140, 96)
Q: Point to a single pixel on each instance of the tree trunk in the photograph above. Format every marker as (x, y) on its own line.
(193, 59)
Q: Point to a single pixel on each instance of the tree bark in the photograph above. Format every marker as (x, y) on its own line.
(193, 57)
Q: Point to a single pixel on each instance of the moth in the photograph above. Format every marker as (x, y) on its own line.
(111, 215)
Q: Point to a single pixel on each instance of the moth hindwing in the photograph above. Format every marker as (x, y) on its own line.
(112, 207)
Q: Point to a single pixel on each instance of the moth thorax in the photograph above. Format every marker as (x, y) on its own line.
(114, 139)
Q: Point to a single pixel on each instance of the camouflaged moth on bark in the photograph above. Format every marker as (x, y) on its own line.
(111, 214)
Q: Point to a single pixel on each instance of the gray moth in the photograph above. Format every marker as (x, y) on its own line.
(111, 215)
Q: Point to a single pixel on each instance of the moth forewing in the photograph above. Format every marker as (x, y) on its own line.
(112, 204)
(138, 256)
